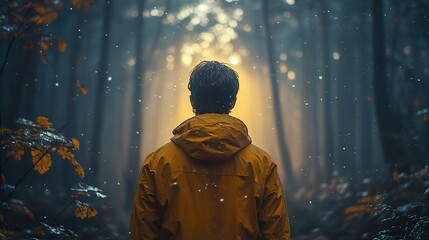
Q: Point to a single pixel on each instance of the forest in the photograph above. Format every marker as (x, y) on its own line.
(337, 91)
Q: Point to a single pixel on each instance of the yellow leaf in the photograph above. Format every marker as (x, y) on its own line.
(76, 143)
(85, 3)
(82, 88)
(42, 58)
(4, 131)
(61, 46)
(44, 44)
(44, 122)
(21, 209)
(65, 153)
(38, 8)
(358, 209)
(45, 162)
(83, 212)
(47, 18)
(78, 169)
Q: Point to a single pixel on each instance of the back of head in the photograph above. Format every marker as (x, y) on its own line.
(214, 87)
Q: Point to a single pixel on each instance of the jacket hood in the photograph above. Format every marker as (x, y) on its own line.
(211, 137)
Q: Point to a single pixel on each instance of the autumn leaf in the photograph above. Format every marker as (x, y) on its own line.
(47, 18)
(44, 122)
(76, 144)
(42, 58)
(86, 4)
(16, 151)
(22, 210)
(82, 88)
(39, 8)
(4, 131)
(61, 46)
(44, 44)
(59, 6)
(84, 212)
(16, 17)
(65, 153)
(42, 163)
(78, 169)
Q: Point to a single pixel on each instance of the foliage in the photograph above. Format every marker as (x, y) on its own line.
(39, 139)
(396, 208)
(28, 20)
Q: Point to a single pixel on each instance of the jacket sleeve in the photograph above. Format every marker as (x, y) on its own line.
(145, 216)
(273, 216)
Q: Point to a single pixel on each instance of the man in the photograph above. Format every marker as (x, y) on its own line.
(209, 182)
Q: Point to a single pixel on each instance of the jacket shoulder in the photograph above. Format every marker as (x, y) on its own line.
(164, 155)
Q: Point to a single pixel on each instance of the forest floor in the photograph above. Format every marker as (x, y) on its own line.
(384, 209)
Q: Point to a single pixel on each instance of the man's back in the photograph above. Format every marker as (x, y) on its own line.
(210, 182)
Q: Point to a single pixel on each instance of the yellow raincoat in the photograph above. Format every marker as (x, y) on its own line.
(209, 182)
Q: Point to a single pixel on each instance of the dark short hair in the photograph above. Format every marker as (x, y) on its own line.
(213, 86)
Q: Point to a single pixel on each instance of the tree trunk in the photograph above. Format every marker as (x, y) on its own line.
(388, 121)
(276, 96)
(327, 98)
(98, 121)
(136, 130)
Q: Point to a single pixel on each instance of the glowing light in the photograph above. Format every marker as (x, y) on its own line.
(291, 75)
(154, 12)
(170, 66)
(131, 62)
(170, 58)
(235, 59)
(299, 54)
(336, 55)
(407, 50)
(247, 28)
(290, 2)
(187, 59)
(283, 68)
(283, 56)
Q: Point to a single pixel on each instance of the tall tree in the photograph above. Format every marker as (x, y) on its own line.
(98, 120)
(388, 121)
(327, 97)
(136, 114)
(276, 95)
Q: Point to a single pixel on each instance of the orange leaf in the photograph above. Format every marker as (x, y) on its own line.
(21, 209)
(83, 212)
(44, 164)
(78, 169)
(16, 151)
(38, 8)
(44, 45)
(4, 131)
(85, 3)
(46, 18)
(358, 209)
(65, 153)
(61, 46)
(82, 88)
(42, 58)
(44, 122)
(76, 143)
